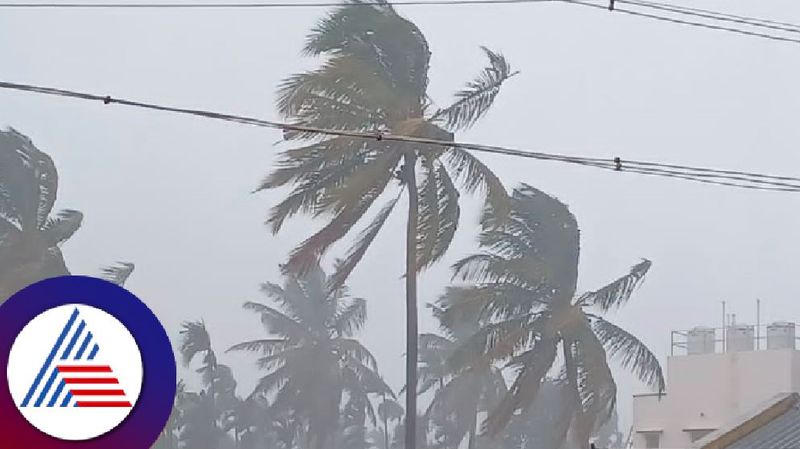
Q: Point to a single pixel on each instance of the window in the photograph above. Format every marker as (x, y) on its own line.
(696, 434)
(652, 440)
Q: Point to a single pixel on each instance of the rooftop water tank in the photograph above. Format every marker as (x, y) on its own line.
(740, 337)
(700, 340)
(781, 335)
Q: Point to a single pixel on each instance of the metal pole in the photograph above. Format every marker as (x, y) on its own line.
(724, 324)
(672, 343)
(758, 324)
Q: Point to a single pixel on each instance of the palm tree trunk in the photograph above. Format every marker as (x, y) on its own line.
(411, 302)
(572, 380)
(385, 432)
(472, 432)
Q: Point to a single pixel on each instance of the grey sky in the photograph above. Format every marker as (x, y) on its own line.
(172, 193)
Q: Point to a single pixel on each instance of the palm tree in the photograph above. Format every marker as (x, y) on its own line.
(374, 79)
(317, 373)
(463, 388)
(524, 291)
(196, 341)
(389, 411)
(30, 238)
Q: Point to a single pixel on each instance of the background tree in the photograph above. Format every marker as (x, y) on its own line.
(464, 387)
(524, 288)
(375, 79)
(30, 238)
(317, 373)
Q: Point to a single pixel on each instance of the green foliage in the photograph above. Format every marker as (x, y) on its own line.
(30, 237)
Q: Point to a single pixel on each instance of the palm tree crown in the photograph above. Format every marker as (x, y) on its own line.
(30, 237)
(317, 373)
(524, 294)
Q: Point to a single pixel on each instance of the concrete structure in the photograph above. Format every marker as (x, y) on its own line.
(707, 390)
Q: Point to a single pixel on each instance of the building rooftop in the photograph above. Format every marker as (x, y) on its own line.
(773, 425)
(782, 432)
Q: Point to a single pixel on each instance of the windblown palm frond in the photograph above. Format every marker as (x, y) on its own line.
(630, 352)
(118, 273)
(475, 100)
(617, 293)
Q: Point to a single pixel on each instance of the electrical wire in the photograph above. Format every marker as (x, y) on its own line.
(688, 22)
(724, 14)
(730, 178)
(282, 5)
(713, 16)
(663, 7)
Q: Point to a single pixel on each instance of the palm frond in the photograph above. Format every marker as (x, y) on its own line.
(299, 164)
(439, 214)
(630, 352)
(344, 93)
(350, 319)
(119, 273)
(357, 251)
(312, 187)
(597, 389)
(267, 346)
(350, 202)
(47, 176)
(354, 350)
(63, 226)
(277, 322)
(474, 176)
(475, 100)
(617, 293)
(391, 45)
(534, 365)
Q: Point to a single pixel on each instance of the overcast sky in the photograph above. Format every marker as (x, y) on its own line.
(171, 193)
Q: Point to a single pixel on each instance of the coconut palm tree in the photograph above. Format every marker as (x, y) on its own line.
(389, 412)
(465, 387)
(195, 342)
(524, 292)
(30, 238)
(374, 79)
(317, 373)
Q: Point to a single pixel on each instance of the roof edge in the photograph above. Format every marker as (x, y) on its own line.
(734, 431)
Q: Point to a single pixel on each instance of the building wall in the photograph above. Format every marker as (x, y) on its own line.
(706, 391)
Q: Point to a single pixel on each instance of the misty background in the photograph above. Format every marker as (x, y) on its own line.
(172, 193)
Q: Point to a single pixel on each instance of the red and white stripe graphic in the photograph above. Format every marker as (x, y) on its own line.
(93, 385)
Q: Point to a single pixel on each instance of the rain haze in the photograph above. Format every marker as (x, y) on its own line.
(173, 194)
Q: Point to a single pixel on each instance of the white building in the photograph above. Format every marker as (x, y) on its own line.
(714, 382)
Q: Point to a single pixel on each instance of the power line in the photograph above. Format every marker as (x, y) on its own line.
(664, 7)
(705, 175)
(712, 15)
(724, 14)
(325, 4)
(688, 22)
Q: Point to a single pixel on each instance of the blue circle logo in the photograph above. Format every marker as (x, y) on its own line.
(87, 365)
